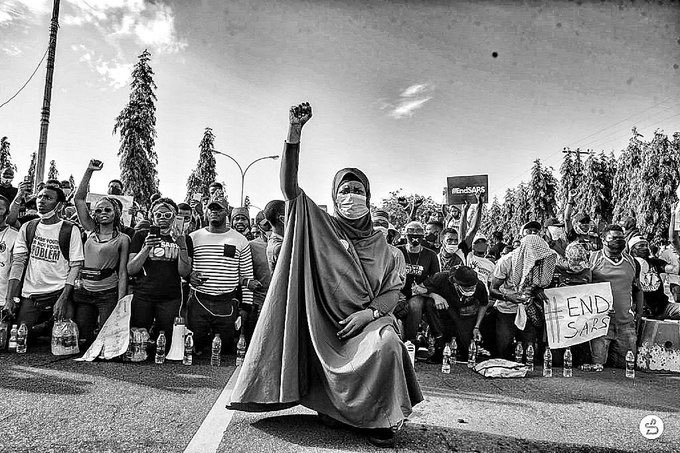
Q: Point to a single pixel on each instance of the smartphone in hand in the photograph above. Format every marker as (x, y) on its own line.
(155, 230)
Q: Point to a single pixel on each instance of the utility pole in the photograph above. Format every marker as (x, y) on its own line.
(577, 151)
(45, 112)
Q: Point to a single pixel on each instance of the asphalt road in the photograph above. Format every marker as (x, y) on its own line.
(51, 404)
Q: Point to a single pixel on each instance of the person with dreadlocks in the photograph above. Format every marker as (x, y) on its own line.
(104, 274)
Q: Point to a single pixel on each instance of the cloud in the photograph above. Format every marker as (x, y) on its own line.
(151, 24)
(411, 99)
(23, 11)
(11, 50)
(114, 72)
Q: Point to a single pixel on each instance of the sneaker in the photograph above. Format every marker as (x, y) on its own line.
(422, 353)
(382, 438)
(596, 367)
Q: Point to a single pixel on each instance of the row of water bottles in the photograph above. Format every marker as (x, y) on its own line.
(567, 368)
(215, 356)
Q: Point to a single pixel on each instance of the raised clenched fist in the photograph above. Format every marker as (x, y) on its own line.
(300, 114)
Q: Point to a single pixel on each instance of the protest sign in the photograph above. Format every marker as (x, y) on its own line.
(92, 198)
(576, 314)
(461, 188)
(114, 337)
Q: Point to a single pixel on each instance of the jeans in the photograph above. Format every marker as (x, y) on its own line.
(90, 305)
(158, 312)
(622, 337)
(209, 315)
(414, 317)
(507, 332)
(448, 324)
(37, 312)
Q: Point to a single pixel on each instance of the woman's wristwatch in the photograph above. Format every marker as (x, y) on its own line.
(376, 313)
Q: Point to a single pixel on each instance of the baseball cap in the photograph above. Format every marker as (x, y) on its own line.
(465, 276)
(219, 202)
(480, 237)
(532, 225)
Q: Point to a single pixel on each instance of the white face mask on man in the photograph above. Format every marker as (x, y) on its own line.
(351, 206)
(451, 248)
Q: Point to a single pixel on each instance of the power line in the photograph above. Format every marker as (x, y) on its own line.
(24, 85)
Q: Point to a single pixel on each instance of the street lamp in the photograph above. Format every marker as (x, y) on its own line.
(243, 172)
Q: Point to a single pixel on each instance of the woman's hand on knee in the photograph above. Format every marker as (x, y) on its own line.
(355, 323)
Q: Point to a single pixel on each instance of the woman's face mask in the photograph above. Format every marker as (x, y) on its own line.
(351, 206)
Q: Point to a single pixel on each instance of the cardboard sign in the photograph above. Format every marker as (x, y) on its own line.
(576, 314)
(92, 198)
(461, 188)
(114, 336)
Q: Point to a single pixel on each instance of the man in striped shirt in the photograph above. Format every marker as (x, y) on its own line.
(220, 262)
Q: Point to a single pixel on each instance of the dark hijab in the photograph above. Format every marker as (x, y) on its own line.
(359, 228)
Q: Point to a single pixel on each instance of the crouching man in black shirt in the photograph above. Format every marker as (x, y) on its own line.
(455, 307)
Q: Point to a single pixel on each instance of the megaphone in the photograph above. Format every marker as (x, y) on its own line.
(179, 330)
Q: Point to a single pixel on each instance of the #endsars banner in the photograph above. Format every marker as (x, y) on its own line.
(461, 188)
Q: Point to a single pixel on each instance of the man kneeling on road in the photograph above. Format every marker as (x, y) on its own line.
(50, 251)
(455, 307)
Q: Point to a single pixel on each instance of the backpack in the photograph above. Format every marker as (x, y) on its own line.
(64, 236)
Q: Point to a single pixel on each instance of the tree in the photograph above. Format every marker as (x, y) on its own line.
(5, 156)
(508, 213)
(204, 174)
(137, 126)
(542, 192)
(495, 218)
(31, 168)
(521, 209)
(398, 215)
(628, 179)
(657, 190)
(53, 173)
(72, 181)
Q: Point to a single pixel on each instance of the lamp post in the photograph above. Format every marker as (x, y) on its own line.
(243, 172)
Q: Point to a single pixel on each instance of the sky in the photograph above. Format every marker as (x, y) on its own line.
(409, 91)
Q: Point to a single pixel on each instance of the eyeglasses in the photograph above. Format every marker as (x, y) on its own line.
(163, 215)
(106, 210)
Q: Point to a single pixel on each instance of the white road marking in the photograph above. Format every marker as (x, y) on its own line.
(209, 435)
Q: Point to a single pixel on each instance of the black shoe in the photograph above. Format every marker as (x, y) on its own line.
(382, 437)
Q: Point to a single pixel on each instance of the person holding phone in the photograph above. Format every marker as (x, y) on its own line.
(104, 274)
(158, 260)
(221, 278)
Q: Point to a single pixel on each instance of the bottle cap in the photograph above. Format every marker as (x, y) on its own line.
(179, 320)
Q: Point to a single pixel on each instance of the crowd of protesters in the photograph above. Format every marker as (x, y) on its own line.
(213, 264)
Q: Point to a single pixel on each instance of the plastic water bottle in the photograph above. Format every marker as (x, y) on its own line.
(411, 348)
(454, 351)
(567, 370)
(241, 350)
(160, 348)
(547, 363)
(472, 355)
(530, 357)
(630, 364)
(215, 359)
(22, 336)
(188, 349)
(446, 360)
(12, 343)
(519, 351)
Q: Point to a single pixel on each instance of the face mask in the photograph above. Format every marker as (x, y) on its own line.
(115, 190)
(6, 180)
(414, 239)
(351, 206)
(48, 214)
(616, 246)
(582, 228)
(383, 230)
(451, 248)
(576, 267)
(467, 292)
(642, 252)
(431, 238)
